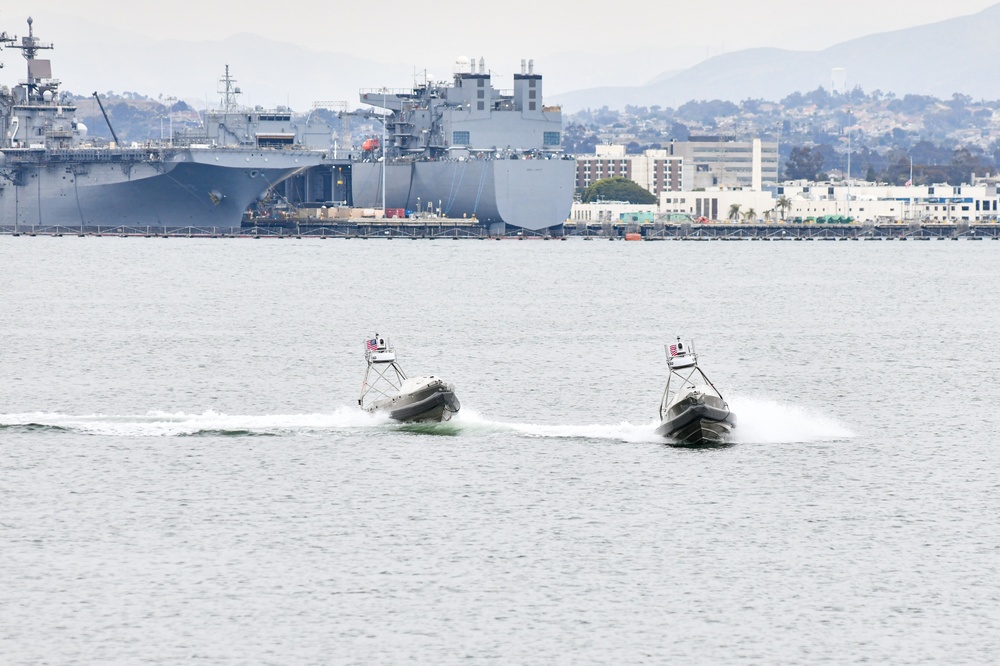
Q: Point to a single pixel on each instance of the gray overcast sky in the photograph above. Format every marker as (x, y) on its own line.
(417, 31)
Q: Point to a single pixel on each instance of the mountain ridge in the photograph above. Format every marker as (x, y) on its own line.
(898, 61)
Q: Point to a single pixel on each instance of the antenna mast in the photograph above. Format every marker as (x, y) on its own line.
(29, 47)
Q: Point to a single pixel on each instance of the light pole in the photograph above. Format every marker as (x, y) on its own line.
(170, 116)
(849, 122)
(777, 156)
(384, 155)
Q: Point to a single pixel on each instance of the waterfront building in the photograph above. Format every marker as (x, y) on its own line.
(654, 170)
(867, 202)
(714, 204)
(699, 163)
(862, 202)
(724, 161)
(611, 212)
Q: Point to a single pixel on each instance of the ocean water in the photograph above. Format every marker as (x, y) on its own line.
(185, 475)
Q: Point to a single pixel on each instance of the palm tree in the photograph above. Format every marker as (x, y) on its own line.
(768, 214)
(783, 204)
(734, 212)
(750, 215)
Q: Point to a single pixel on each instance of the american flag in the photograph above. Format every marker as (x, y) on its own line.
(371, 345)
(673, 350)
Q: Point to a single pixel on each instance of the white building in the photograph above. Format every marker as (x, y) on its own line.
(603, 212)
(862, 202)
(719, 161)
(891, 203)
(714, 204)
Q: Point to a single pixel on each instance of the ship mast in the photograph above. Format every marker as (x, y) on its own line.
(229, 93)
(230, 105)
(29, 47)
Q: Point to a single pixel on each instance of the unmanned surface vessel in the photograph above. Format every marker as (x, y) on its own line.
(692, 412)
(387, 390)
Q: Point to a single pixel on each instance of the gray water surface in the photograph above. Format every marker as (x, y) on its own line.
(184, 473)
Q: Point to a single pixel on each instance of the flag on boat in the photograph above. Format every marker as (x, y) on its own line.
(371, 345)
(909, 183)
(673, 350)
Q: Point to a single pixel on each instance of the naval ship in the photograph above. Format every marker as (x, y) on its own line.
(51, 174)
(466, 149)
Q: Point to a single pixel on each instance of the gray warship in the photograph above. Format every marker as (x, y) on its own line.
(466, 149)
(52, 175)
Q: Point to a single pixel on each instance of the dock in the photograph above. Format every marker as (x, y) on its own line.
(463, 229)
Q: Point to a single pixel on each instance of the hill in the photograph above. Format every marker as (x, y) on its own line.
(938, 59)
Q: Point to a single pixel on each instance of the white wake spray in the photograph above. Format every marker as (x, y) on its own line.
(763, 421)
(470, 421)
(759, 421)
(177, 424)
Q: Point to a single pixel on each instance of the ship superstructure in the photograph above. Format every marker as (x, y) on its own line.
(53, 174)
(469, 117)
(236, 125)
(468, 149)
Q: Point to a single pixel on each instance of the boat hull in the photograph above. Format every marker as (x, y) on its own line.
(527, 193)
(698, 420)
(434, 403)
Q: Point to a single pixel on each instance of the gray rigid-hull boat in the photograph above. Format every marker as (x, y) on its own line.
(692, 412)
(387, 390)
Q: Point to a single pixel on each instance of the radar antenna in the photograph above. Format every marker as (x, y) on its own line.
(29, 47)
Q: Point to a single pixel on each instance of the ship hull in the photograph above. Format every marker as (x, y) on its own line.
(175, 188)
(527, 193)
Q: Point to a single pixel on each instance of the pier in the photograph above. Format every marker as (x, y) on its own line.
(811, 232)
(463, 229)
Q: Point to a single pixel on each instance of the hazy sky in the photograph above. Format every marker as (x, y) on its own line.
(412, 31)
(581, 44)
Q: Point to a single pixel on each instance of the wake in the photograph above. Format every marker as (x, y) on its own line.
(763, 421)
(181, 424)
(759, 421)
